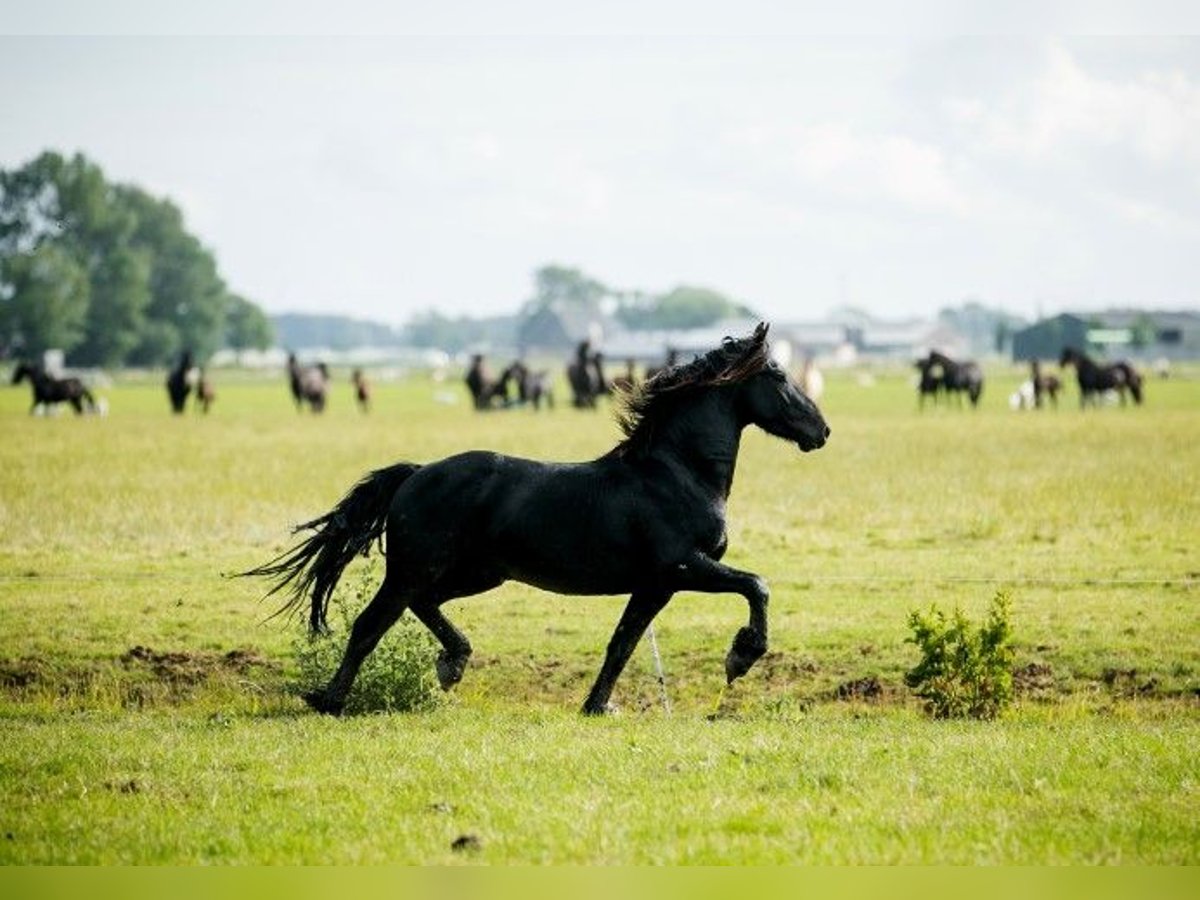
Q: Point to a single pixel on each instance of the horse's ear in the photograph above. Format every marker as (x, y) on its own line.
(760, 333)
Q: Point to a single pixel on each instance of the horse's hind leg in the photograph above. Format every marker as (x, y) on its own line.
(643, 606)
(378, 616)
(456, 649)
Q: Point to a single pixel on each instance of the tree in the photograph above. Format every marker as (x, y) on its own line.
(246, 326)
(558, 285)
(120, 293)
(149, 287)
(682, 307)
(45, 300)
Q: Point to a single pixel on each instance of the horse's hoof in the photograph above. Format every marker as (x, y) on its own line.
(322, 704)
(449, 669)
(748, 646)
(601, 709)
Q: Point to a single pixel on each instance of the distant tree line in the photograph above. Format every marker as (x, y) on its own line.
(562, 288)
(108, 273)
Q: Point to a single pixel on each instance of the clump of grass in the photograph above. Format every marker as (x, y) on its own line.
(964, 672)
(399, 674)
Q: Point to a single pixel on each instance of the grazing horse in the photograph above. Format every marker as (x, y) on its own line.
(958, 377)
(362, 390)
(1043, 385)
(929, 384)
(178, 386)
(532, 387)
(48, 391)
(485, 393)
(647, 518)
(309, 384)
(581, 377)
(205, 395)
(1095, 379)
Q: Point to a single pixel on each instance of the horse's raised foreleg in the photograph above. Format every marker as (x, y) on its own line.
(376, 618)
(452, 661)
(643, 606)
(702, 573)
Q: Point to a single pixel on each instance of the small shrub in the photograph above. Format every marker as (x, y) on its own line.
(398, 676)
(963, 672)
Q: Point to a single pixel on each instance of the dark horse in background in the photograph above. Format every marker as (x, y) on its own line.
(309, 384)
(647, 518)
(178, 385)
(959, 377)
(49, 391)
(1095, 379)
(1043, 385)
(585, 375)
(533, 388)
(929, 383)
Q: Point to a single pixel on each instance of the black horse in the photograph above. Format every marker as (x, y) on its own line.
(959, 377)
(647, 518)
(533, 388)
(486, 393)
(1095, 379)
(930, 383)
(48, 391)
(309, 384)
(178, 386)
(582, 377)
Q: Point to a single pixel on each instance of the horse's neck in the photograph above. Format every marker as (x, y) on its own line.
(705, 436)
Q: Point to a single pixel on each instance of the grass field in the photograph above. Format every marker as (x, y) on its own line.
(146, 705)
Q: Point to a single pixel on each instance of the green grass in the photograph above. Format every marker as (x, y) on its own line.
(193, 748)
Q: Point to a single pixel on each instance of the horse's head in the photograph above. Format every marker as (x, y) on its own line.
(774, 402)
(20, 373)
(1069, 356)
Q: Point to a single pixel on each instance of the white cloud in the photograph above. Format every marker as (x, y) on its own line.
(1067, 110)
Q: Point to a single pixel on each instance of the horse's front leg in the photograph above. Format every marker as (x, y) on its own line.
(702, 573)
(643, 606)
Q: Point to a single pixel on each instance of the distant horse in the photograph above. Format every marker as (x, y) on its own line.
(486, 393)
(362, 390)
(309, 384)
(959, 377)
(532, 387)
(48, 391)
(1043, 385)
(205, 395)
(929, 384)
(1095, 379)
(647, 518)
(581, 377)
(178, 385)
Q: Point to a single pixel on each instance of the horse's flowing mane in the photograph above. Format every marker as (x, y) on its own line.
(735, 360)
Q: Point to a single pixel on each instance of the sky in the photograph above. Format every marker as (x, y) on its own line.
(384, 176)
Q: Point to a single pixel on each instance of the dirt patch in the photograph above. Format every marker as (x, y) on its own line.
(182, 667)
(781, 667)
(1034, 678)
(869, 689)
(1128, 683)
(21, 673)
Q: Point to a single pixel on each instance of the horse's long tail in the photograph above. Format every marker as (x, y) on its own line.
(315, 564)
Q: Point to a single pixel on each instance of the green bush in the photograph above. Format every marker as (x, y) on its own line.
(963, 672)
(399, 674)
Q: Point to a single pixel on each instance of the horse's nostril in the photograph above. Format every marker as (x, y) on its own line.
(827, 431)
